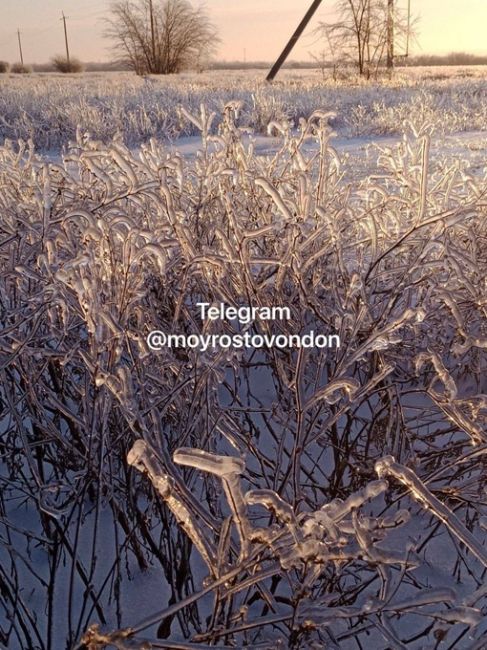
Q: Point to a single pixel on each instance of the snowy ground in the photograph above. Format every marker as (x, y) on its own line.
(359, 154)
(50, 108)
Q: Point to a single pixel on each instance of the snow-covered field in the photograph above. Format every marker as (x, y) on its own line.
(49, 108)
(240, 497)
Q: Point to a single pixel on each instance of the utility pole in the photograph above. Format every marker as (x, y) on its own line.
(153, 35)
(368, 39)
(20, 48)
(292, 41)
(409, 27)
(66, 38)
(390, 35)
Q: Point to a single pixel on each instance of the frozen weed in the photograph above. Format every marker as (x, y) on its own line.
(101, 249)
(49, 108)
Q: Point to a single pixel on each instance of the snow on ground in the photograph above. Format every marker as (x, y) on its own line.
(50, 108)
(362, 151)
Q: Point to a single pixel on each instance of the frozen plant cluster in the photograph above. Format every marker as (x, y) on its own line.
(274, 510)
(49, 108)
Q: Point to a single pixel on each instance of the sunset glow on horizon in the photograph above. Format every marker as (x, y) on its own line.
(252, 30)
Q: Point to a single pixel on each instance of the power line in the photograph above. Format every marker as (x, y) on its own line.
(92, 14)
(38, 31)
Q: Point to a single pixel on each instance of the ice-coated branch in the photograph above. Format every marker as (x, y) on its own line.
(212, 463)
(145, 459)
(387, 466)
(282, 510)
(443, 374)
(228, 469)
(338, 509)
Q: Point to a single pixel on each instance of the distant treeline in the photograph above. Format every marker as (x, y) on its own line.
(454, 58)
(105, 66)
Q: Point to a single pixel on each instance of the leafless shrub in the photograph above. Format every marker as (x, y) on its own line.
(138, 108)
(62, 64)
(312, 544)
(21, 68)
(4, 67)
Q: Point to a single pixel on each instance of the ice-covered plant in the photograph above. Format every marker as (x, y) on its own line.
(108, 244)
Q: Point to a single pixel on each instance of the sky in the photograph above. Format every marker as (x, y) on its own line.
(251, 30)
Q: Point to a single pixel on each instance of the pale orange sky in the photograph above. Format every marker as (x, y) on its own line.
(260, 28)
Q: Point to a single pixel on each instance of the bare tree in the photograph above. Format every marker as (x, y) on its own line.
(163, 37)
(321, 60)
(360, 34)
(62, 64)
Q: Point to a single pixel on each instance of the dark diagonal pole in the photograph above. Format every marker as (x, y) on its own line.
(20, 48)
(292, 41)
(66, 38)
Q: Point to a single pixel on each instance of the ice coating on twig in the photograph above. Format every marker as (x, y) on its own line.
(228, 469)
(339, 509)
(331, 392)
(206, 462)
(272, 501)
(387, 466)
(145, 459)
(329, 534)
(320, 613)
(443, 374)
